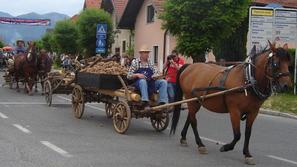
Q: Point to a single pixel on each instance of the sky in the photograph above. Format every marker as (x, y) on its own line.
(18, 7)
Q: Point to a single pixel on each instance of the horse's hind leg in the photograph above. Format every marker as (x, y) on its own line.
(193, 108)
(183, 140)
(235, 120)
(248, 130)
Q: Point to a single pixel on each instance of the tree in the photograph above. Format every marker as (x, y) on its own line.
(47, 41)
(202, 24)
(65, 36)
(1, 44)
(87, 25)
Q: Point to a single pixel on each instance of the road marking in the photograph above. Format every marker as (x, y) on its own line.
(5, 105)
(213, 141)
(88, 105)
(3, 116)
(56, 149)
(282, 159)
(21, 128)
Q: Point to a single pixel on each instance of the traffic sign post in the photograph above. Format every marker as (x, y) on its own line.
(273, 24)
(101, 35)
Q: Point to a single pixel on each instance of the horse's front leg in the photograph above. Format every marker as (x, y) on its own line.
(17, 83)
(235, 120)
(248, 130)
(36, 82)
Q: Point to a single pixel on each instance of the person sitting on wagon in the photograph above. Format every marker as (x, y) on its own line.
(142, 71)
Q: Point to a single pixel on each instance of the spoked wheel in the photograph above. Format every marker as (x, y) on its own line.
(78, 102)
(160, 121)
(121, 117)
(48, 92)
(109, 109)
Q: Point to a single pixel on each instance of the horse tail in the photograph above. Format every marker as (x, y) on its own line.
(178, 97)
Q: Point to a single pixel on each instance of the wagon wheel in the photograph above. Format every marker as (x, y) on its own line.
(56, 83)
(78, 101)
(109, 109)
(160, 121)
(121, 117)
(48, 92)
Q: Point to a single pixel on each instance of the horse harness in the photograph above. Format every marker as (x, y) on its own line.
(249, 74)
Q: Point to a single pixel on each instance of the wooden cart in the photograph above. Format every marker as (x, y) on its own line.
(121, 102)
(57, 83)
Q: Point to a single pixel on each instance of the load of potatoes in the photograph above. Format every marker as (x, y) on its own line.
(107, 67)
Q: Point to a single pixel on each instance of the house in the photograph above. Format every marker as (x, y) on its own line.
(142, 17)
(123, 39)
(284, 3)
(92, 4)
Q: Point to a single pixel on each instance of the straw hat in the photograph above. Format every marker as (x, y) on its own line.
(144, 48)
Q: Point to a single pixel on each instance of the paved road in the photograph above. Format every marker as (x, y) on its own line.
(34, 135)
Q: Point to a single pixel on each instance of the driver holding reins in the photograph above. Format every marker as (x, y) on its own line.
(143, 72)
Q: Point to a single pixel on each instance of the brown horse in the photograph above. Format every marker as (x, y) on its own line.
(265, 70)
(44, 65)
(25, 65)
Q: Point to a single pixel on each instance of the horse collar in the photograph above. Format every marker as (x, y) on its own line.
(249, 75)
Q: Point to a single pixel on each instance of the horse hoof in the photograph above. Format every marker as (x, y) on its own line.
(249, 161)
(202, 150)
(222, 149)
(18, 90)
(183, 143)
(36, 90)
(42, 94)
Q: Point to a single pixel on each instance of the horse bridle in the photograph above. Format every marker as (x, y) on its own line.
(274, 66)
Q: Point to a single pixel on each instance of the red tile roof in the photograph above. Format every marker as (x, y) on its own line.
(74, 18)
(92, 4)
(119, 6)
(285, 3)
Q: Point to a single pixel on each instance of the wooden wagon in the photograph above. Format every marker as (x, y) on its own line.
(122, 103)
(57, 83)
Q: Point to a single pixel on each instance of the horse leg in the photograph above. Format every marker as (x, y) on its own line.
(248, 130)
(183, 140)
(17, 83)
(235, 120)
(36, 82)
(193, 108)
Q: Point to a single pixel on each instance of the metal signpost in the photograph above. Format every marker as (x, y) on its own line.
(101, 38)
(273, 24)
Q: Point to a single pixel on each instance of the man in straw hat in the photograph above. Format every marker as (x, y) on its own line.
(142, 72)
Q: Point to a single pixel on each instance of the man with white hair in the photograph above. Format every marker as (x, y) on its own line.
(142, 71)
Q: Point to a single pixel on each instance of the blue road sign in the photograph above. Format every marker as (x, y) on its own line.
(101, 38)
(101, 29)
(100, 43)
(100, 50)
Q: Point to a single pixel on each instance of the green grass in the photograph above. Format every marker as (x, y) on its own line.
(282, 102)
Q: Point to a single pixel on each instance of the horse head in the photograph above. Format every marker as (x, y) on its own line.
(31, 53)
(277, 68)
(44, 61)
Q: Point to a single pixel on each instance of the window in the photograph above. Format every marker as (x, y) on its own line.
(156, 57)
(117, 50)
(124, 46)
(150, 14)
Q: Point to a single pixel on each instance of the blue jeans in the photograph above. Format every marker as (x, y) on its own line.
(171, 91)
(160, 85)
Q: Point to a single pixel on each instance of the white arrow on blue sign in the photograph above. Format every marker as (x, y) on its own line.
(100, 50)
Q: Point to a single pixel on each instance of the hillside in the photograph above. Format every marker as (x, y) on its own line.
(11, 33)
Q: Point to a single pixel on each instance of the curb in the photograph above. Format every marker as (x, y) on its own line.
(277, 113)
